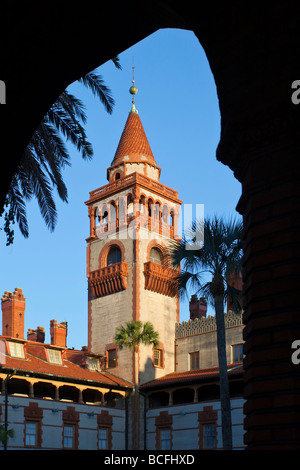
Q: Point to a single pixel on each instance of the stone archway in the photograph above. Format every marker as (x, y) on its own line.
(254, 57)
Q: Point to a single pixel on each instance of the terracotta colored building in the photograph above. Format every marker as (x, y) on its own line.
(62, 398)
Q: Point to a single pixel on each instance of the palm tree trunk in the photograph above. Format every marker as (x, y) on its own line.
(135, 414)
(224, 384)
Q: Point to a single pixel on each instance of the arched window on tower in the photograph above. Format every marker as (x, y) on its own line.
(150, 207)
(155, 256)
(171, 223)
(114, 255)
(130, 208)
(112, 216)
(165, 213)
(142, 205)
(157, 212)
(105, 221)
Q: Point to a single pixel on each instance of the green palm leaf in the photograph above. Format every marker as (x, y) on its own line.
(40, 170)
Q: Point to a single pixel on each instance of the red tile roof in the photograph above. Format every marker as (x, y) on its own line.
(71, 369)
(191, 376)
(133, 143)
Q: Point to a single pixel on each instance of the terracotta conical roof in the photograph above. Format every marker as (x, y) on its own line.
(133, 145)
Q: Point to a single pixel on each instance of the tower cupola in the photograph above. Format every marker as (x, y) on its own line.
(133, 153)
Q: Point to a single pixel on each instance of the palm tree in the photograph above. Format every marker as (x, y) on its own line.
(218, 258)
(131, 336)
(40, 169)
(4, 435)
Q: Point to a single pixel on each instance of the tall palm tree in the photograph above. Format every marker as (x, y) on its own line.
(216, 258)
(40, 169)
(131, 336)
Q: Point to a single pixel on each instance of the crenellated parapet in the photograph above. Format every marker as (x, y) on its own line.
(205, 324)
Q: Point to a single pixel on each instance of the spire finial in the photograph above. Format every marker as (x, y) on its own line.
(133, 91)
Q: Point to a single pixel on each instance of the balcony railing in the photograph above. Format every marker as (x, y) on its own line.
(128, 181)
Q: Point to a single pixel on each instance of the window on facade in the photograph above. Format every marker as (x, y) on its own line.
(102, 438)
(113, 212)
(68, 437)
(93, 363)
(142, 205)
(150, 204)
(54, 356)
(130, 207)
(16, 349)
(31, 434)
(165, 438)
(171, 219)
(209, 436)
(237, 353)
(194, 360)
(114, 255)
(105, 217)
(155, 255)
(158, 357)
(111, 358)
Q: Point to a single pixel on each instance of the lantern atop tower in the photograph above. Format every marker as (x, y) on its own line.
(133, 91)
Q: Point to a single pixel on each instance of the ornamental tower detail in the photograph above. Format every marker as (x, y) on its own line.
(133, 218)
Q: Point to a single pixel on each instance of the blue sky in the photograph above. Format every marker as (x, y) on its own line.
(178, 106)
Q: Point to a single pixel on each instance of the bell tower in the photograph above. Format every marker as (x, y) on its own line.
(132, 220)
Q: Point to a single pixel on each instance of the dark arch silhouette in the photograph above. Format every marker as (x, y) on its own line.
(253, 53)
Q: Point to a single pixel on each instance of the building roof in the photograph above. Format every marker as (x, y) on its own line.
(191, 376)
(72, 369)
(133, 145)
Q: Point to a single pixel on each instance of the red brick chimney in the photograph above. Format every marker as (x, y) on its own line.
(13, 309)
(235, 280)
(58, 333)
(36, 335)
(198, 308)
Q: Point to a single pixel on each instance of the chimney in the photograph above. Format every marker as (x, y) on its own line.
(13, 309)
(58, 333)
(36, 335)
(235, 280)
(198, 308)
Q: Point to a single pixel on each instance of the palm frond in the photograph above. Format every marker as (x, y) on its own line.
(134, 333)
(116, 62)
(72, 130)
(72, 106)
(43, 192)
(46, 155)
(19, 210)
(54, 158)
(219, 256)
(95, 83)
